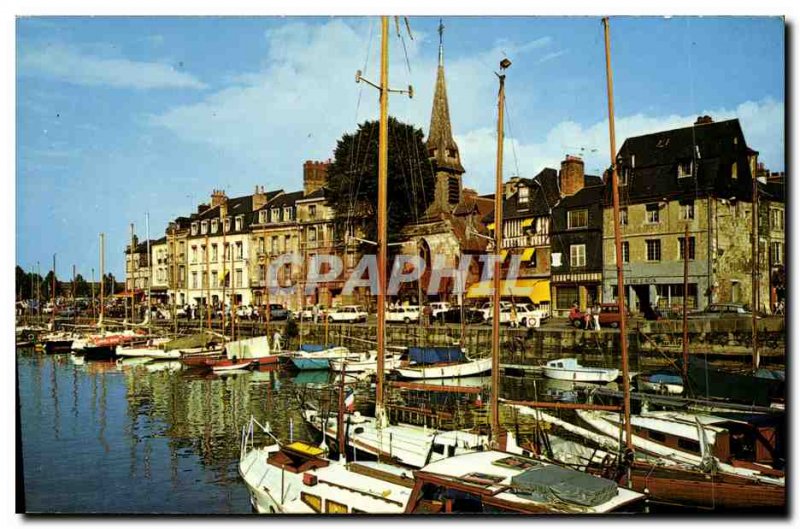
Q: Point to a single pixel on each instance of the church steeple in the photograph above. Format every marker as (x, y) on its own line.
(442, 148)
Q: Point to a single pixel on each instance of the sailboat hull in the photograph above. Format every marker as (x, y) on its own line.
(466, 369)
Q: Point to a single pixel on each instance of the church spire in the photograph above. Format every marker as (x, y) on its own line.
(442, 147)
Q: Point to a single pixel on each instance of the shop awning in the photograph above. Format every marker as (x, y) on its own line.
(527, 223)
(527, 254)
(537, 290)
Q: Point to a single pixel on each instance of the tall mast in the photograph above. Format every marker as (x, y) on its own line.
(754, 280)
(75, 317)
(208, 287)
(102, 277)
(149, 270)
(685, 305)
(38, 293)
(133, 279)
(623, 337)
(53, 297)
(383, 161)
(94, 308)
(498, 242)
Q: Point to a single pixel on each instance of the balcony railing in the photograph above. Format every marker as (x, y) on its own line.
(527, 241)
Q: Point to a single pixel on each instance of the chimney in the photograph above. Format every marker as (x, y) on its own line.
(315, 176)
(570, 179)
(259, 198)
(703, 120)
(510, 187)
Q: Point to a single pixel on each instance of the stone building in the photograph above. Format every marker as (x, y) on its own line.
(452, 225)
(159, 255)
(137, 263)
(698, 176)
(177, 235)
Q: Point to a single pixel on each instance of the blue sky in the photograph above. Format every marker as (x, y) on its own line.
(126, 115)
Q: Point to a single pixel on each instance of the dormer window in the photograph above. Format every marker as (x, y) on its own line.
(239, 222)
(214, 226)
(624, 175)
(287, 213)
(275, 215)
(684, 169)
(204, 227)
(312, 212)
(522, 198)
(262, 216)
(194, 228)
(227, 224)
(734, 171)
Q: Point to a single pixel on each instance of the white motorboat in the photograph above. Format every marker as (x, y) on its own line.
(367, 362)
(570, 369)
(153, 349)
(441, 362)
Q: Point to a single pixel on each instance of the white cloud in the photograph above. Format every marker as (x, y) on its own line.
(305, 97)
(68, 64)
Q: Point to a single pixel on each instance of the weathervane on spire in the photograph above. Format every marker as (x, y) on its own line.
(441, 45)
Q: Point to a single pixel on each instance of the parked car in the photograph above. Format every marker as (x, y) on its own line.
(453, 315)
(528, 315)
(486, 309)
(307, 313)
(278, 312)
(347, 314)
(721, 310)
(438, 307)
(407, 314)
(609, 316)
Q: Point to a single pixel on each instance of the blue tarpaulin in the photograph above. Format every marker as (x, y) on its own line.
(433, 355)
(314, 348)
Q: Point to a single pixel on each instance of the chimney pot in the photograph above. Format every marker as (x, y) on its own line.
(571, 177)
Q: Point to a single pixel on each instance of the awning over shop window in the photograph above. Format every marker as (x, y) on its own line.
(527, 223)
(537, 290)
(527, 254)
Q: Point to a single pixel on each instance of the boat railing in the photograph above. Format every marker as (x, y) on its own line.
(248, 435)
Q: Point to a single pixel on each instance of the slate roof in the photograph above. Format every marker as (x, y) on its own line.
(652, 161)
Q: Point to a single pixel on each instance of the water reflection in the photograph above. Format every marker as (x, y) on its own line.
(144, 437)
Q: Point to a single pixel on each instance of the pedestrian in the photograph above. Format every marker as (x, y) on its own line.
(315, 313)
(596, 316)
(426, 311)
(276, 341)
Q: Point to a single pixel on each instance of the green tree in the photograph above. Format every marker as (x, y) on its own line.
(353, 178)
(82, 288)
(47, 286)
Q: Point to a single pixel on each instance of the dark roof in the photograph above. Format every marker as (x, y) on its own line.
(315, 195)
(543, 195)
(286, 199)
(651, 162)
(591, 194)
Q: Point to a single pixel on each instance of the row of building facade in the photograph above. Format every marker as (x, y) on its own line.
(559, 225)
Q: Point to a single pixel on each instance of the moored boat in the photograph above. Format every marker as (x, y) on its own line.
(570, 369)
(441, 362)
(228, 365)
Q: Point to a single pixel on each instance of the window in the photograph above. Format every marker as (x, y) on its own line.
(312, 234)
(555, 260)
(239, 250)
(656, 436)
(214, 279)
(577, 255)
(626, 252)
(578, 218)
(205, 279)
(214, 226)
(227, 224)
(262, 216)
(312, 212)
(239, 221)
(623, 216)
(652, 213)
(624, 176)
(334, 507)
(684, 169)
(690, 445)
(682, 248)
(687, 210)
(194, 228)
(734, 171)
(239, 277)
(287, 213)
(776, 253)
(275, 245)
(204, 227)
(653, 249)
(523, 195)
(566, 296)
(776, 219)
(214, 254)
(275, 215)
(203, 252)
(315, 502)
(287, 243)
(194, 279)
(194, 254)
(226, 252)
